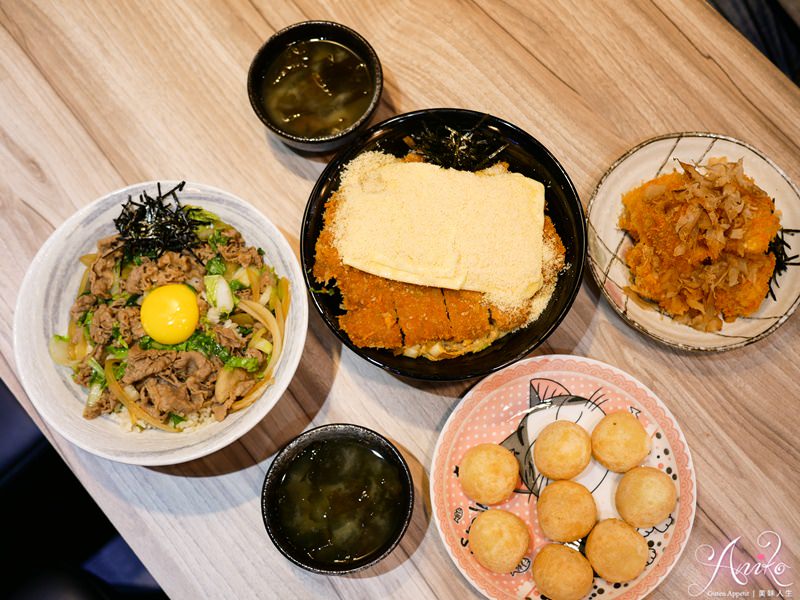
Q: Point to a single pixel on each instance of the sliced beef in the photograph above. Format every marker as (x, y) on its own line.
(144, 363)
(177, 382)
(170, 267)
(105, 404)
(168, 397)
(101, 273)
(204, 252)
(237, 251)
(233, 384)
(102, 325)
(228, 337)
(82, 305)
(130, 324)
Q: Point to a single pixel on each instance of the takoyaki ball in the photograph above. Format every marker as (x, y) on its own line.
(567, 511)
(562, 450)
(499, 539)
(562, 573)
(488, 473)
(645, 496)
(616, 551)
(620, 442)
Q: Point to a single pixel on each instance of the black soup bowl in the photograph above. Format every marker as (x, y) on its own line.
(337, 499)
(334, 77)
(483, 140)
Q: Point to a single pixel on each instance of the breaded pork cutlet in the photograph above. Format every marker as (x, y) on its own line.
(371, 318)
(398, 316)
(422, 314)
(469, 316)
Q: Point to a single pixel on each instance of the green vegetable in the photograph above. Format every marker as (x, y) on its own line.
(95, 391)
(61, 338)
(244, 331)
(201, 215)
(248, 363)
(175, 419)
(206, 345)
(219, 293)
(322, 291)
(264, 345)
(132, 299)
(119, 370)
(98, 375)
(117, 336)
(217, 239)
(199, 342)
(117, 352)
(237, 285)
(215, 266)
(86, 318)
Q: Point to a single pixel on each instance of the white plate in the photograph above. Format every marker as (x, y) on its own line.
(608, 243)
(511, 407)
(48, 291)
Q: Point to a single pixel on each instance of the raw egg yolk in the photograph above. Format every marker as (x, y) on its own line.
(170, 313)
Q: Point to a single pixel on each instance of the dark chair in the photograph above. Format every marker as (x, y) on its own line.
(56, 542)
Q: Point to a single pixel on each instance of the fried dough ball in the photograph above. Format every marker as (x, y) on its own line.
(562, 450)
(616, 551)
(562, 573)
(645, 496)
(499, 540)
(488, 473)
(620, 442)
(567, 511)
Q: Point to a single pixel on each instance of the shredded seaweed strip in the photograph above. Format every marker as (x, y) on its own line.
(783, 260)
(151, 226)
(469, 150)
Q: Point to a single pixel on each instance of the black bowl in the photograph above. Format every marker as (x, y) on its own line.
(278, 468)
(524, 155)
(305, 31)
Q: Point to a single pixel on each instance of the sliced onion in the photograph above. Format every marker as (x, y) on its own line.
(134, 411)
(88, 259)
(61, 353)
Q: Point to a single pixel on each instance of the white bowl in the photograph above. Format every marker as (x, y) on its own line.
(608, 243)
(49, 289)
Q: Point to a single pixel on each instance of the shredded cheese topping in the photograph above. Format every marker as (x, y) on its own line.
(423, 224)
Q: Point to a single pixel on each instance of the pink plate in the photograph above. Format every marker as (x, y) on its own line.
(511, 407)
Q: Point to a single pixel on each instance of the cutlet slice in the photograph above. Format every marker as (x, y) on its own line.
(421, 314)
(508, 320)
(373, 327)
(361, 289)
(469, 317)
(327, 262)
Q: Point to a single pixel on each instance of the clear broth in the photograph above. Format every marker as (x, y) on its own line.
(340, 502)
(316, 88)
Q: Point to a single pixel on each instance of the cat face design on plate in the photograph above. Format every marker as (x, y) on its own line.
(551, 401)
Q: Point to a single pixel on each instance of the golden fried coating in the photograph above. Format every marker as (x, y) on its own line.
(469, 316)
(488, 473)
(701, 243)
(499, 539)
(422, 315)
(562, 573)
(620, 442)
(562, 450)
(416, 315)
(567, 511)
(645, 496)
(616, 551)
(372, 326)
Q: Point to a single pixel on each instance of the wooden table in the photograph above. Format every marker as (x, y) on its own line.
(98, 95)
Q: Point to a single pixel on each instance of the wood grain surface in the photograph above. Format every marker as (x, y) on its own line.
(98, 95)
